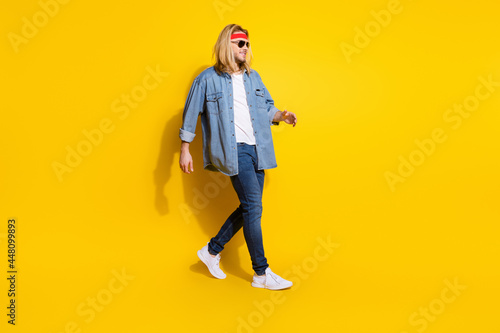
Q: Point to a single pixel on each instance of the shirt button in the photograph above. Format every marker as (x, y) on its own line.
(250, 104)
(247, 93)
(229, 82)
(229, 94)
(230, 107)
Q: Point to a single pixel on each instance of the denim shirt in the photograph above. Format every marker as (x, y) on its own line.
(211, 98)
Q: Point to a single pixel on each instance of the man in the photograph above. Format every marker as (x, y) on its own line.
(236, 112)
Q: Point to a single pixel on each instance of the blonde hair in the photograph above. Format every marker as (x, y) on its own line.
(223, 52)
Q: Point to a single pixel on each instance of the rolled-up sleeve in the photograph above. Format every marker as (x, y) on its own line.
(192, 109)
(271, 109)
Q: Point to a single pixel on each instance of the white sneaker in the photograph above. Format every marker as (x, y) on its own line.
(270, 281)
(211, 262)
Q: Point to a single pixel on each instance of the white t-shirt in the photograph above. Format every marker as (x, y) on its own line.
(242, 120)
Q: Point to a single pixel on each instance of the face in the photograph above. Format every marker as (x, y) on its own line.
(240, 55)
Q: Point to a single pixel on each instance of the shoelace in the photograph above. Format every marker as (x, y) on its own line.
(217, 258)
(274, 276)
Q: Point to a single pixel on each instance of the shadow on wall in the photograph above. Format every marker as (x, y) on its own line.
(209, 197)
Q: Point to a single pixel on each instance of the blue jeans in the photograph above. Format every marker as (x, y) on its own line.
(249, 184)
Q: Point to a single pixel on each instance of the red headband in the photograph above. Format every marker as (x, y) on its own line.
(239, 35)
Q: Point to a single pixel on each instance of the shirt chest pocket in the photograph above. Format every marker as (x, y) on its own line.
(215, 103)
(260, 98)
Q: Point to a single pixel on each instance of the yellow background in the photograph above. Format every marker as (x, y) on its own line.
(126, 207)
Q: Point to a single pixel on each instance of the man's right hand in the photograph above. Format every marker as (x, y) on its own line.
(185, 160)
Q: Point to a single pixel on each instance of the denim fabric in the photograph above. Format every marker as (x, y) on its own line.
(249, 184)
(211, 98)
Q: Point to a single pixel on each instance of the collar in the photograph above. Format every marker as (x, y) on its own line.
(229, 75)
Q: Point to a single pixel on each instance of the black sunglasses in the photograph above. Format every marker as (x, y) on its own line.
(241, 43)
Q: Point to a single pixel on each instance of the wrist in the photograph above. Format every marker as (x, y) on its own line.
(278, 116)
(185, 146)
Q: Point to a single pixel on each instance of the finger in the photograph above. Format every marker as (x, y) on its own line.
(191, 165)
(185, 168)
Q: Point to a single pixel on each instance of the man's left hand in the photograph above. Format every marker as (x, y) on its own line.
(289, 117)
